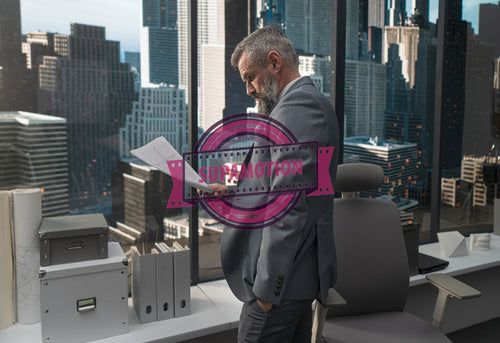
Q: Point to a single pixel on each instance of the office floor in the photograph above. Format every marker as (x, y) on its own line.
(487, 332)
(230, 336)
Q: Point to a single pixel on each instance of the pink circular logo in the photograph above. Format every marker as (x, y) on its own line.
(252, 204)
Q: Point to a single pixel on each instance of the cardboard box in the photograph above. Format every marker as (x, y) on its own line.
(85, 301)
(76, 238)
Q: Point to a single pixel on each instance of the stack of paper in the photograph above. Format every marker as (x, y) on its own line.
(161, 247)
(158, 152)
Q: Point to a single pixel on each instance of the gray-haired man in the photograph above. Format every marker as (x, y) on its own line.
(279, 270)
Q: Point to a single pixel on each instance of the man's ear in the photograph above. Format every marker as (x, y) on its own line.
(274, 62)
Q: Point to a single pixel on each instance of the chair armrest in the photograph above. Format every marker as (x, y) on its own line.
(448, 287)
(452, 286)
(334, 299)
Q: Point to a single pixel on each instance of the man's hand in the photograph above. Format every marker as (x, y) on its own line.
(266, 307)
(218, 189)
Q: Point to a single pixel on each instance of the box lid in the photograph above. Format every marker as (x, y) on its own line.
(70, 226)
(116, 260)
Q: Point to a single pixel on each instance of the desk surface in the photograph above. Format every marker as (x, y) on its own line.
(206, 319)
(215, 309)
(474, 261)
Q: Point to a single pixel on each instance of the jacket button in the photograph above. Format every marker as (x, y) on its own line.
(276, 292)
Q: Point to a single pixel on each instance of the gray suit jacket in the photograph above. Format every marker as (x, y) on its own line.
(295, 257)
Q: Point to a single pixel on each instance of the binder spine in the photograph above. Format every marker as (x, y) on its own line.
(182, 282)
(165, 285)
(144, 286)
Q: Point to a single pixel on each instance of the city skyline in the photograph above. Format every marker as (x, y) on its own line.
(121, 18)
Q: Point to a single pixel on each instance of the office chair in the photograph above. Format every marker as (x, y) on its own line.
(367, 302)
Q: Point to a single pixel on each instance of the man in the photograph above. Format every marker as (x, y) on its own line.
(279, 270)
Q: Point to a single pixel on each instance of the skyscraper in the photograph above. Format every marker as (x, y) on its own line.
(34, 153)
(86, 84)
(421, 9)
(222, 92)
(15, 82)
(221, 26)
(159, 42)
(425, 89)
(352, 30)
(453, 90)
(478, 134)
(397, 13)
(318, 69)
(396, 99)
(308, 25)
(37, 44)
(405, 50)
(376, 13)
(364, 79)
(269, 14)
(140, 196)
(134, 60)
(489, 17)
(375, 44)
(408, 38)
(159, 111)
(398, 160)
(364, 98)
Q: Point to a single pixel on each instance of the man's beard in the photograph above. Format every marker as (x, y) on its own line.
(268, 99)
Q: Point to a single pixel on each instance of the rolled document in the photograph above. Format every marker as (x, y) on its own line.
(27, 216)
(6, 264)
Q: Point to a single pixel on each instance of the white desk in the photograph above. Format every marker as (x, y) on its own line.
(476, 260)
(205, 319)
(215, 309)
(479, 269)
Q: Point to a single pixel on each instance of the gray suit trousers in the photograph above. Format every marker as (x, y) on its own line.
(289, 322)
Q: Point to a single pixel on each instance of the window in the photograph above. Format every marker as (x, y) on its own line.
(423, 107)
(396, 61)
(468, 143)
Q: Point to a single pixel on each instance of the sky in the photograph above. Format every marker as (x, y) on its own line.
(121, 18)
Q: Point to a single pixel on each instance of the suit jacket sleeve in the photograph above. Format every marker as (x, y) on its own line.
(305, 116)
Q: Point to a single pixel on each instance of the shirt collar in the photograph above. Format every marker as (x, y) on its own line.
(287, 87)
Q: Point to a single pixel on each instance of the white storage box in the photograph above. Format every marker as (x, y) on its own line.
(85, 301)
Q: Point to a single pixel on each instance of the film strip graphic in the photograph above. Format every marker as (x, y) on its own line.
(290, 163)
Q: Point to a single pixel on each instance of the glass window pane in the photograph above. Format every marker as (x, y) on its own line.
(97, 88)
(470, 155)
(389, 99)
(222, 92)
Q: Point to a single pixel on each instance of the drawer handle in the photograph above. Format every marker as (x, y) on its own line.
(74, 245)
(85, 304)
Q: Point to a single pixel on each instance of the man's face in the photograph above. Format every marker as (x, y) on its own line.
(261, 85)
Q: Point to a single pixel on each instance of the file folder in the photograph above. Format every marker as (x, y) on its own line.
(182, 282)
(165, 285)
(144, 286)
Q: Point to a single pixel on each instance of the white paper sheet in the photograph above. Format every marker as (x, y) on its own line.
(158, 152)
(27, 216)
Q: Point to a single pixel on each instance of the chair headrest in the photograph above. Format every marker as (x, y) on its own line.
(357, 177)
